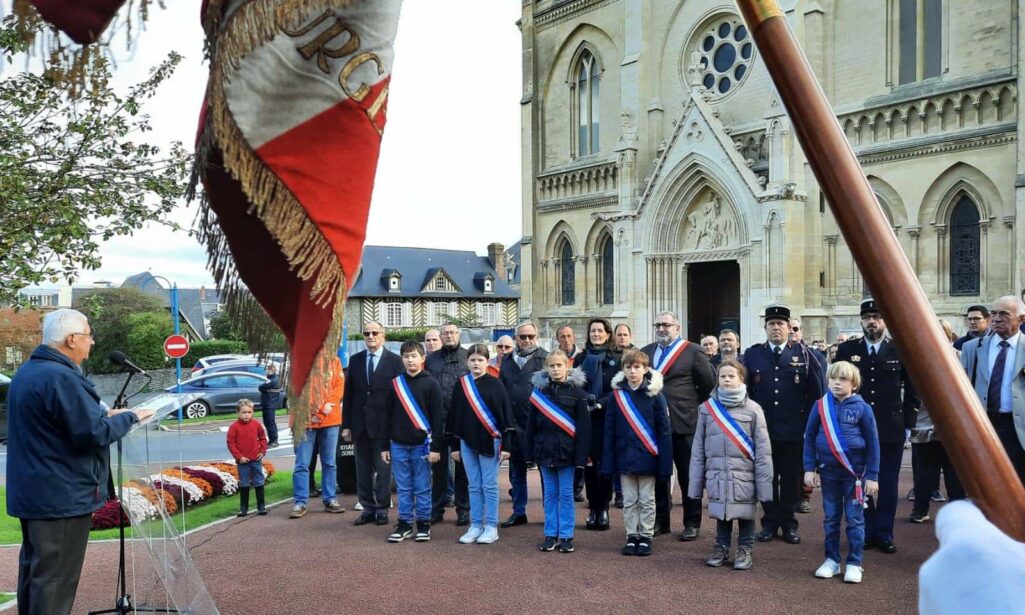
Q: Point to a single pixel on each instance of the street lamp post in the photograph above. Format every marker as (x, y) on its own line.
(172, 287)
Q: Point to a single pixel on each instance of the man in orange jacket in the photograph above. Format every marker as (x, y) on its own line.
(322, 433)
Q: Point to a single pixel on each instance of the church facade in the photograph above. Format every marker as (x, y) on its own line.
(660, 171)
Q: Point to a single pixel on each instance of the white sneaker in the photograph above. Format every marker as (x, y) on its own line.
(853, 574)
(488, 536)
(828, 569)
(358, 506)
(471, 534)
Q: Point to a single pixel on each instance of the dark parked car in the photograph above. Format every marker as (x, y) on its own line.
(219, 392)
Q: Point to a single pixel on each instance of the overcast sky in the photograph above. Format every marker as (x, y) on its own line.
(449, 173)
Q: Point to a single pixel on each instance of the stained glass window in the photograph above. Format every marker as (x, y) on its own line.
(964, 248)
(608, 279)
(569, 274)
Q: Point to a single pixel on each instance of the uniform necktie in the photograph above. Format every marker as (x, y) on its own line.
(370, 368)
(871, 351)
(996, 378)
(777, 351)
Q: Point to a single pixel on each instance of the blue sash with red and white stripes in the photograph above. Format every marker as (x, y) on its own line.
(413, 411)
(484, 415)
(730, 427)
(670, 354)
(554, 413)
(636, 421)
(831, 428)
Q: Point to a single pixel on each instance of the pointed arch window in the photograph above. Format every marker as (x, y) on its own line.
(569, 274)
(965, 259)
(588, 83)
(607, 271)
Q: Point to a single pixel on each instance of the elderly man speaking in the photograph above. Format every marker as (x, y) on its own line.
(57, 461)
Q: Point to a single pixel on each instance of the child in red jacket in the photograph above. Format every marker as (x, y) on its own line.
(247, 441)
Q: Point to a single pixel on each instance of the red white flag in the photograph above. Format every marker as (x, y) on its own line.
(289, 140)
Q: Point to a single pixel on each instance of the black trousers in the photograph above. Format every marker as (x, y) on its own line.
(787, 478)
(439, 486)
(682, 444)
(50, 564)
(373, 476)
(599, 489)
(1003, 422)
(930, 459)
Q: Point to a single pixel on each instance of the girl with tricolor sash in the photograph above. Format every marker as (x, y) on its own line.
(638, 445)
(732, 460)
(480, 429)
(842, 443)
(557, 440)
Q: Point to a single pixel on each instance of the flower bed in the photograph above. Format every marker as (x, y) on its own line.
(171, 489)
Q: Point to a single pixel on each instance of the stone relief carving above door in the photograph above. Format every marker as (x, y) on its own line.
(708, 225)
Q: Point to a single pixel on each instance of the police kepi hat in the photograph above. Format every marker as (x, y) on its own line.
(777, 312)
(868, 306)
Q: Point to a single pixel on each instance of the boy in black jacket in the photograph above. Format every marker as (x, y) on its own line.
(414, 413)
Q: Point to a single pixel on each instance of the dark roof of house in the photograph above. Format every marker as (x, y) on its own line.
(512, 262)
(193, 303)
(418, 266)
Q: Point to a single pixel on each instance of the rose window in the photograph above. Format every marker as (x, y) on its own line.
(726, 50)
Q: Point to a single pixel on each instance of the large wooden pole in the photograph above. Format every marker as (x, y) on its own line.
(967, 434)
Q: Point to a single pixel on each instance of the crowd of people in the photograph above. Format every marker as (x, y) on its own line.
(608, 423)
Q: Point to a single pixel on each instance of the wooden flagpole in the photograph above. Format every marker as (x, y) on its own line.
(968, 436)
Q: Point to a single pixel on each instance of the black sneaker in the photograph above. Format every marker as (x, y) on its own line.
(644, 546)
(631, 546)
(566, 546)
(403, 530)
(423, 531)
(548, 544)
(618, 503)
(937, 496)
(919, 517)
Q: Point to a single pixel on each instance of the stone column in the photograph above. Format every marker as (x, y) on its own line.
(983, 257)
(913, 233)
(942, 263)
(1013, 249)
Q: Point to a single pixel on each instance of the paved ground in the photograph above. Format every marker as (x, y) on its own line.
(323, 564)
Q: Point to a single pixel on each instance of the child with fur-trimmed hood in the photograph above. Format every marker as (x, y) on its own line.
(638, 445)
(557, 439)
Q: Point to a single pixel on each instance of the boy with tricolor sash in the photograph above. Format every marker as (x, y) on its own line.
(732, 460)
(557, 439)
(480, 429)
(638, 445)
(413, 421)
(842, 443)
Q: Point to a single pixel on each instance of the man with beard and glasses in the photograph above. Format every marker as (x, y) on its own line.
(448, 365)
(785, 379)
(886, 387)
(688, 380)
(517, 368)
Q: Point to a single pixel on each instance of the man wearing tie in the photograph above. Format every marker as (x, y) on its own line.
(886, 387)
(995, 364)
(370, 375)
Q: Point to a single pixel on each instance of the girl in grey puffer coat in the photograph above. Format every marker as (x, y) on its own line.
(734, 481)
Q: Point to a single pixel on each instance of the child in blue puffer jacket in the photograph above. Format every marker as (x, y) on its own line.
(842, 443)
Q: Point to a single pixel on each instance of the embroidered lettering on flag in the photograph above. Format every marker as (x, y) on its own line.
(670, 354)
(479, 407)
(413, 410)
(553, 413)
(636, 421)
(730, 427)
(290, 134)
(837, 444)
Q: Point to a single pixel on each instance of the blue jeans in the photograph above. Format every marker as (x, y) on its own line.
(559, 507)
(327, 449)
(838, 501)
(250, 473)
(412, 475)
(518, 481)
(482, 474)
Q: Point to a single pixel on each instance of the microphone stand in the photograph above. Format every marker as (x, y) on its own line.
(123, 605)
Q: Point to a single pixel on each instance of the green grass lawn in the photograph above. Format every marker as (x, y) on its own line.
(278, 488)
(171, 421)
(5, 598)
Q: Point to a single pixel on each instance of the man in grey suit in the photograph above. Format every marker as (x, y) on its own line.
(995, 363)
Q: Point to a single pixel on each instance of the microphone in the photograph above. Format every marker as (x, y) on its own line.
(119, 358)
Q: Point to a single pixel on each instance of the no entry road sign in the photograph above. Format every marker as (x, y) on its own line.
(176, 346)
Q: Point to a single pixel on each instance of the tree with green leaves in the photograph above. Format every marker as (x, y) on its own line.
(75, 168)
(114, 314)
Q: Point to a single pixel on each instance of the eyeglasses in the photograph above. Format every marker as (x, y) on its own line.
(527, 336)
(975, 318)
(504, 347)
(89, 335)
(371, 333)
(664, 325)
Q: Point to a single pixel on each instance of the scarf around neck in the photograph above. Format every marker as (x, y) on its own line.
(731, 398)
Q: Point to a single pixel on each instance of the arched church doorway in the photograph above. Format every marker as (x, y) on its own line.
(713, 298)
